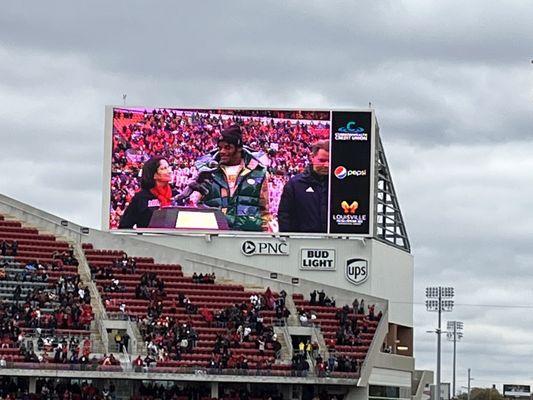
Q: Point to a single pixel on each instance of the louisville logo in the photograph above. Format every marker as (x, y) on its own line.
(349, 208)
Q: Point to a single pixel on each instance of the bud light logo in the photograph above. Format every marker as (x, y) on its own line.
(357, 270)
(341, 172)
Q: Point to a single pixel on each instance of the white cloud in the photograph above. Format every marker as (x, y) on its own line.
(451, 83)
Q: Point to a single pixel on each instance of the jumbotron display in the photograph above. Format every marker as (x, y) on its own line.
(272, 171)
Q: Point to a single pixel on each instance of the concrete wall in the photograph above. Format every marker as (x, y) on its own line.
(390, 269)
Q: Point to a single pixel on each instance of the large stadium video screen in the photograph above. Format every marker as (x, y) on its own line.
(239, 170)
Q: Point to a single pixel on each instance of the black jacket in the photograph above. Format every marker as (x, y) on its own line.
(140, 210)
(304, 204)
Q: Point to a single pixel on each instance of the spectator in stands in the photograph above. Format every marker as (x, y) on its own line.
(304, 202)
(239, 184)
(300, 363)
(14, 248)
(155, 193)
(313, 297)
(3, 248)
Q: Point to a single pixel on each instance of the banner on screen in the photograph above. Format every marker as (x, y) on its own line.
(271, 171)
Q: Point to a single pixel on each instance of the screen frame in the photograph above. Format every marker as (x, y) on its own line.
(107, 171)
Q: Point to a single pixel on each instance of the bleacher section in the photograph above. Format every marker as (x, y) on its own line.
(169, 304)
(213, 297)
(328, 318)
(41, 303)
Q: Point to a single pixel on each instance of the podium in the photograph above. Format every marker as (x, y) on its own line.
(189, 218)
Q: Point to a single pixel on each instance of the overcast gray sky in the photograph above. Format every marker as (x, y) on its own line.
(451, 82)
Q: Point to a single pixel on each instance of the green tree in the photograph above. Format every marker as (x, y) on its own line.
(481, 394)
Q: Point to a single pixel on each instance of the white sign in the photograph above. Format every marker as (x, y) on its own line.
(259, 247)
(317, 259)
(357, 270)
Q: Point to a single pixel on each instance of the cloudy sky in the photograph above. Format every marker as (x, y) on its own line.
(451, 81)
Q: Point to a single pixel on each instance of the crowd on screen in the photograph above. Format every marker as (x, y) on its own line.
(183, 138)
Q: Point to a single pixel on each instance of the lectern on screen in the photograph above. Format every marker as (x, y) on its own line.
(189, 218)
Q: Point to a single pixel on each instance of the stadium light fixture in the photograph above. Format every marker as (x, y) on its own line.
(454, 334)
(439, 300)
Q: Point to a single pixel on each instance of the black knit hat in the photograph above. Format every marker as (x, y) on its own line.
(232, 135)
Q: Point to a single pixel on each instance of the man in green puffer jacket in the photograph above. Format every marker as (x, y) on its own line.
(238, 183)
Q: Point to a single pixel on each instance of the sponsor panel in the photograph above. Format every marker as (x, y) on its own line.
(317, 259)
(265, 248)
(350, 177)
(514, 391)
(357, 270)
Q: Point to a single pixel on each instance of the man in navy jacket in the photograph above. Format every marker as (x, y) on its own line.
(304, 202)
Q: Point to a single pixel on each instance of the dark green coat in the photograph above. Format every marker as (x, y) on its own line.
(243, 209)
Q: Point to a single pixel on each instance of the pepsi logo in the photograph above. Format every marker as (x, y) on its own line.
(341, 172)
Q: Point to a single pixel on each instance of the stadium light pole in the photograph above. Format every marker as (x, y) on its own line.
(469, 380)
(454, 334)
(438, 299)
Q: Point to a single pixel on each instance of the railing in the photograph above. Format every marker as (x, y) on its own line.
(375, 347)
(118, 316)
(218, 371)
(135, 335)
(127, 358)
(320, 340)
(103, 334)
(172, 370)
(85, 272)
(288, 339)
(62, 367)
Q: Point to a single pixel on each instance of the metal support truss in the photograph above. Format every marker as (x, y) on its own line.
(390, 227)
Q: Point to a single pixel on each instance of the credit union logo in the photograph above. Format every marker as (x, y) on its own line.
(351, 127)
(351, 132)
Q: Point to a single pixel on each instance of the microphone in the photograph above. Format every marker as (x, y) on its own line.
(202, 181)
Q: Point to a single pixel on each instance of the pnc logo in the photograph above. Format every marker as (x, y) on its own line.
(248, 247)
(341, 172)
(351, 127)
(349, 208)
(254, 248)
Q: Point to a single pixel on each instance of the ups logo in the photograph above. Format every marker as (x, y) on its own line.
(357, 270)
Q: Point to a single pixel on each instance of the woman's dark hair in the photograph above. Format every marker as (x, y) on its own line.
(149, 170)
